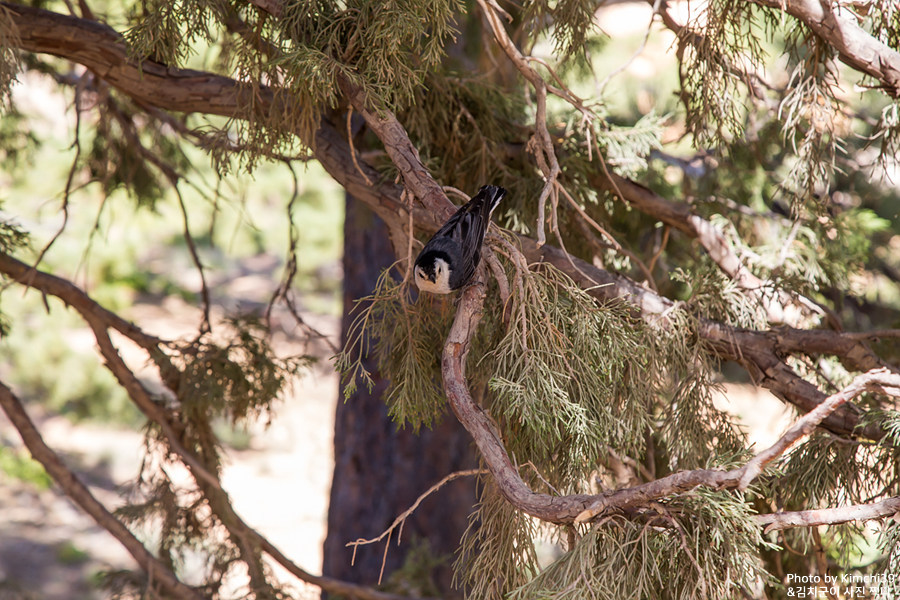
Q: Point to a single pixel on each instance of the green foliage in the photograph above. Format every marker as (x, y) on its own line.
(626, 148)
(723, 37)
(407, 340)
(9, 59)
(497, 553)
(168, 32)
(889, 544)
(714, 294)
(12, 236)
(18, 464)
(238, 380)
(68, 554)
(415, 578)
(462, 126)
(564, 378)
(709, 554)
(572, 23)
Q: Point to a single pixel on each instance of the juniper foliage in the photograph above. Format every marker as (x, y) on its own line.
(570, 383)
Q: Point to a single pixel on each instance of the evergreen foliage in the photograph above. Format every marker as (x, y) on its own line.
(787, 176)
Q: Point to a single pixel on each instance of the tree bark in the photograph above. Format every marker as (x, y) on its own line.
(380, 470)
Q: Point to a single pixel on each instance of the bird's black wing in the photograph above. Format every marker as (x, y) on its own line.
(467, 228)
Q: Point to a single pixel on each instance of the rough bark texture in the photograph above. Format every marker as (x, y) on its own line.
(380, 470)
(856, 47)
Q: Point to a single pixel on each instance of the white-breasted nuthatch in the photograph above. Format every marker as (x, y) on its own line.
(449, 259)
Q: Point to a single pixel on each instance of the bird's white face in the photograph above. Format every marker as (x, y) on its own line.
(441, 283)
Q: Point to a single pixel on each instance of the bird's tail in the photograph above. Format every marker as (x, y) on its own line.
(490, 196)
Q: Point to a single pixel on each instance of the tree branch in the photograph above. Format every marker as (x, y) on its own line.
(99, 319)
(781, 307)
(856, 47)
(554, 509)
(560, 509)
(102, 50)
(829, 516)
(540, 144)
(156, 571)
(401, 150)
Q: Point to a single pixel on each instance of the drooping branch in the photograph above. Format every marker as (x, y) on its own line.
(100, 319)
(102, 49)
(560, 509)
(156, 571)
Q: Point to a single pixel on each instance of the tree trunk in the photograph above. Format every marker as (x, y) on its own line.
(379, 470)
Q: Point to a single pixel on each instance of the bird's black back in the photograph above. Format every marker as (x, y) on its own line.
(464, 232)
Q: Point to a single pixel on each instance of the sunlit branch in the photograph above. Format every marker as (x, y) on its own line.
(560, 509)
(829, 516)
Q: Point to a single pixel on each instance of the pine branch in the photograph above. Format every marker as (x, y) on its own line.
(100, 319)
(157, 572)
(400, 149)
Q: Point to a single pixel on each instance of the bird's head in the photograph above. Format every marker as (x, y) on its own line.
(432, 274)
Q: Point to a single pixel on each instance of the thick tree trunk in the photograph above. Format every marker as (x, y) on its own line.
(380, 470)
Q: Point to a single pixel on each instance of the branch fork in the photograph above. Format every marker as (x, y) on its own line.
(581, 508)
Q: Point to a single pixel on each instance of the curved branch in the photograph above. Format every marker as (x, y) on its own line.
(554, 509)
(156, 571)
(100, 319)
(856, 47)
(560, 509)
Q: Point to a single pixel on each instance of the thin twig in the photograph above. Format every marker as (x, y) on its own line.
(401, 519)
(542, 145)
(880, 379)
(352, 148)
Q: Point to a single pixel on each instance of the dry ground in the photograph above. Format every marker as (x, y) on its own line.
(279, 483)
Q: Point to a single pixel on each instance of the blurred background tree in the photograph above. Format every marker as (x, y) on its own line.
(710, 196)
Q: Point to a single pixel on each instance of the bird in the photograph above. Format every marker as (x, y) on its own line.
(449, 259)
